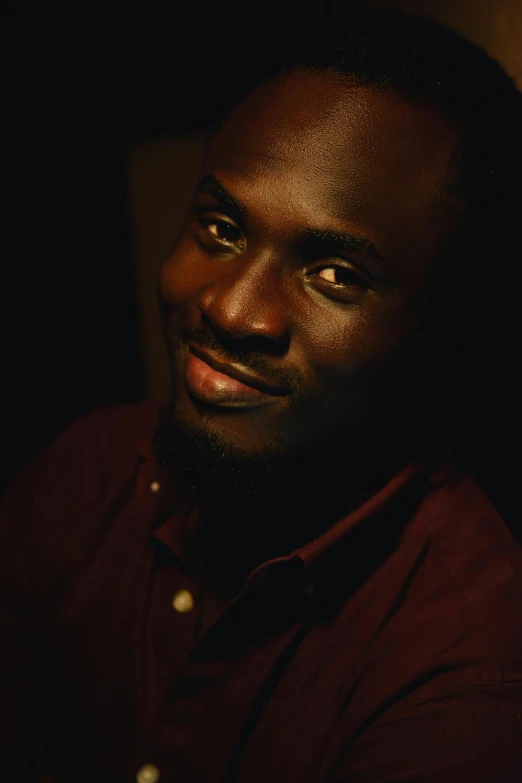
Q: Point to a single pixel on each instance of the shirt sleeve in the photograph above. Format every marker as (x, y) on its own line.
(30, 514)
(473, 736)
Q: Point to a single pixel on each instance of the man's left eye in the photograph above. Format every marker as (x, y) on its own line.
(339, 276)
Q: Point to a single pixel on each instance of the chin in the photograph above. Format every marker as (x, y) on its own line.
(219, 454)
(247, 430)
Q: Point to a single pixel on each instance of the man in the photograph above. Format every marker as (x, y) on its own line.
(285, 573)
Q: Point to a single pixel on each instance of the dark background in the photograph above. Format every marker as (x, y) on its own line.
(82, 86)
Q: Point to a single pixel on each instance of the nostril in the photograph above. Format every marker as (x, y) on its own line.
(240, 318)
(238, 343)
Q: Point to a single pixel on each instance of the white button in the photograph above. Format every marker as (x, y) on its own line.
(148, 774)
(154, 487)
(183, 601)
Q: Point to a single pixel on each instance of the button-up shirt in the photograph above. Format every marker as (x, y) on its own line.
(388, 649)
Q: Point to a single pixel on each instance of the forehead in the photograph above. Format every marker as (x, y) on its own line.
(329, 150)
(324, 121)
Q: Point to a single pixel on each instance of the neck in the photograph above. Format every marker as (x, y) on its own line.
(233, 534)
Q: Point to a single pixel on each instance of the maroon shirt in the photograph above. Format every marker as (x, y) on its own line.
(389, 649)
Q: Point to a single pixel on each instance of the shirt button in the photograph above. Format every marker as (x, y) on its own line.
(155, 486)
(148, 774)
(183, 601)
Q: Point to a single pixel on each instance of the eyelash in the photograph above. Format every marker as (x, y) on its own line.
(207, 221)
(358, 280)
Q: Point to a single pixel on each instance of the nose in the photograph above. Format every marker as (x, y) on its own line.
(246, 301)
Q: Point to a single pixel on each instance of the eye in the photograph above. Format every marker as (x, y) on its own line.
(339, 276)
(216, 232)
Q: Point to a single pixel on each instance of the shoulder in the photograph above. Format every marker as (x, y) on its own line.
(118, 430)
(54, 506)
(440, 684)
(447, 606)
(102, 444)
(481, 564)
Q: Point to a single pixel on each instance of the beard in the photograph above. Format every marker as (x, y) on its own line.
(221, 475)
(241, 497)
(213, 470)
(258, 505)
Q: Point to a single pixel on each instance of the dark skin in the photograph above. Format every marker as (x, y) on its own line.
(323, 283)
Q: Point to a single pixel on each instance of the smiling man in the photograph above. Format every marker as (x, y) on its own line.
(288, 572)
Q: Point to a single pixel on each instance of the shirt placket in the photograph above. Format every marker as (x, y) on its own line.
(206, 713)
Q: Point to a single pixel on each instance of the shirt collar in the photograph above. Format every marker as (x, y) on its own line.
(340, 543)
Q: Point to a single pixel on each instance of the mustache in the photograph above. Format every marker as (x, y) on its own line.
(248, 354)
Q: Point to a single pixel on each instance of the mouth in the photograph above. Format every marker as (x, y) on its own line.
(226, 384)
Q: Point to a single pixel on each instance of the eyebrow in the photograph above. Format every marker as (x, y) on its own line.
(211, 185)
(320, 238)
(344, 242)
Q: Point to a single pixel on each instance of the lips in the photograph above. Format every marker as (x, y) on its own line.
(228, 385)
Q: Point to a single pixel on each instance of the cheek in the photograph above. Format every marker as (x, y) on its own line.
(355, 367)
(348, 344)
(180, 278)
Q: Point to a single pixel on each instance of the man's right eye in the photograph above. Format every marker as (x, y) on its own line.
(216, 232)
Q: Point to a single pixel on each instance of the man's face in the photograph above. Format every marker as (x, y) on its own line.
(304, 272)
